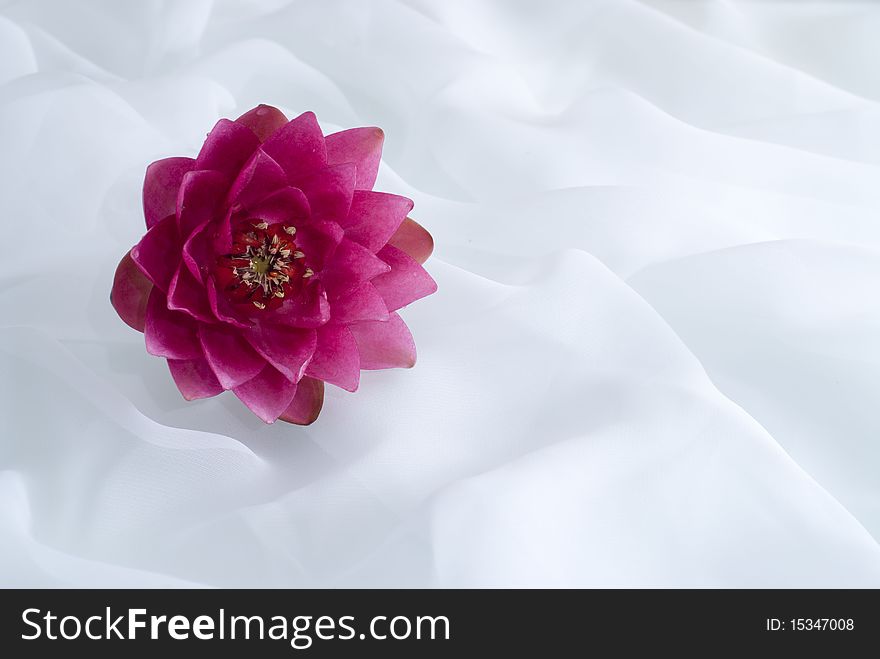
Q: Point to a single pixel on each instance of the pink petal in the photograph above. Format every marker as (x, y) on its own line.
(288, 349)
(186, 294)
(222, 238)
(361, 146)
(318, 240)
(288, 206)
(263, 120)
(407, 281)
(413, 239)
(306, 404)
(299, 146)
(374, 217)
(167, 333)
(194, 378)
(161, 183)
(198, 199)
(197, 251)
(158, 252)
(309, 309)
(330, 191)
(360, 303)
(387, 344)
(221, 308)
(231, 358)
(258, 179)
(336, 359)
(351, 264)
(268, 394)
(227, 148)
(130, 292)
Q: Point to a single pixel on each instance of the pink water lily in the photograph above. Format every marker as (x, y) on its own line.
(270, 266)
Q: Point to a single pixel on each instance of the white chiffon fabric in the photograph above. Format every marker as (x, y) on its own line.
(654, 356)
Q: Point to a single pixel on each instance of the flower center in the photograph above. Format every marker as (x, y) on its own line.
(264, 266)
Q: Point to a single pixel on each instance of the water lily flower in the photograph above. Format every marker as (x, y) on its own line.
(270, 266)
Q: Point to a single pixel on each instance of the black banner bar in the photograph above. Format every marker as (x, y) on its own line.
(424, 623)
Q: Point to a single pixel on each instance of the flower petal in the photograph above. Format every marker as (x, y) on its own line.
(263, 120)
(374, 217)
(258, 179)
(161, 183)
(309, 309)
(336, 359)
(197, 251)
(222, 234)
(387, 344)
(288, 206)
(408, 281)
(288, 349)
(231, 358)
(412, 238)
(194, 378)
(330, 191)
(130, 292)
(198, 199)
(298, 146)
(227, 148)
(318, 240)
(186, 294)
(158, 252)
(351, 264)
(221, 308)
(267, 394)
(362, 302)
(361, 146)
(167, 333)
(306, 404)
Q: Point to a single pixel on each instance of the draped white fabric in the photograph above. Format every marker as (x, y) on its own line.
(654, 356)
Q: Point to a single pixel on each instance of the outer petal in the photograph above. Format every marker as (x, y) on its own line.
(287, 349)
(198, 199)
(299, 146)
(287, 205)
(330, 191)
(263, 120)
(232, 360)
(360, 303)
(194, 378)
(167, 333)
(227, 148)
(130, 292)
(336, 359)
(351, 264)
(161, 183)
(387, 344)
(186, 294)
(158, 252)
(268, 394)
(407, 281)
(306, 404)
(374, 217)
(361, 146)
(259, 178)
(412, 238)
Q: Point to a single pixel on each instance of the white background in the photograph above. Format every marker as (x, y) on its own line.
(654, 358)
